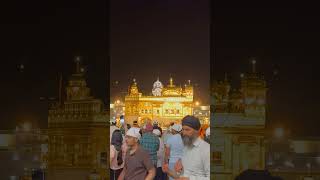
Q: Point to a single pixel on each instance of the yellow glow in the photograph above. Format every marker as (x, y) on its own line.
(171, 106)
(197, 103)
(118, 101)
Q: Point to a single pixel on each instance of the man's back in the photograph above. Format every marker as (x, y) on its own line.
(176, 147)
(150, 143)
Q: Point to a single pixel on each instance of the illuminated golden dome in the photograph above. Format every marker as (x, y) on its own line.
(172, 90)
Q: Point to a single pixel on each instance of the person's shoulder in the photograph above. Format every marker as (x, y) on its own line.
(142, 151)
(112, 148)
(155, 136)
(204, 144)
(169, 139)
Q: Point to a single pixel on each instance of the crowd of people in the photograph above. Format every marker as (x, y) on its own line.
(181, 152)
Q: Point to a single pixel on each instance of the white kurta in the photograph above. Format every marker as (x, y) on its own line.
(196, 161)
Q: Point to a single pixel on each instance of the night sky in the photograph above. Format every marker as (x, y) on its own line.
(159, 38)
(45, 37)
(283, 37)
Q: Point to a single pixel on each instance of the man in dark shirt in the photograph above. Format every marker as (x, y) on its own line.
(138, 164)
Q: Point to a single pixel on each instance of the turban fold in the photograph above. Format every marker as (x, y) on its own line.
(192, 122)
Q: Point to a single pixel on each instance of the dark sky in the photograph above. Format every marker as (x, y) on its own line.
(160, 38)
(283, 37)
(46, 36)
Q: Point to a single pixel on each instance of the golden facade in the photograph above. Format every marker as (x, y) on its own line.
(238, 121)
(78, 132)
(167, 104)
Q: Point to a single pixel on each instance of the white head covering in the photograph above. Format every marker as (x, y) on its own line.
(112, 120)
(134, 132)
(156, 132)
(177, 127)
(208, 131)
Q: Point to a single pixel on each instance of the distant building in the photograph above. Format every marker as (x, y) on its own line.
(78, 131)
(21, 153)
(116, 110)
(203, 113)
(294, 158)
(238, 120)
(167, 104)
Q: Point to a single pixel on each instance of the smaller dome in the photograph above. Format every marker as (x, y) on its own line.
(157, 88)
(157, 84)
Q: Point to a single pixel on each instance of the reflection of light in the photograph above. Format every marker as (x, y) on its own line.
(15, 156)
(13, 178)
(278, 132)
(26, 126)
(35, 158)
(197, 103)
(249, 100)
(289, 164)
(308, 165)
(118, 101)
(318, 160)
(270, 163)
(260, 101)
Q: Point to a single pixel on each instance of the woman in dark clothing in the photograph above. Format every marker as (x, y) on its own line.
(116, 155)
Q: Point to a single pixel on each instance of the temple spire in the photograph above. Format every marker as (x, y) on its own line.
(253, 66)
(225, 77)
(77, 61)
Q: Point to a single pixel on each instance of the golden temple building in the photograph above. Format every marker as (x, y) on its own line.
(166, 104)
(78, 134)
(238, 122)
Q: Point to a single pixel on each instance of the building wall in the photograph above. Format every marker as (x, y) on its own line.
(238, 121)
(161, 109)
